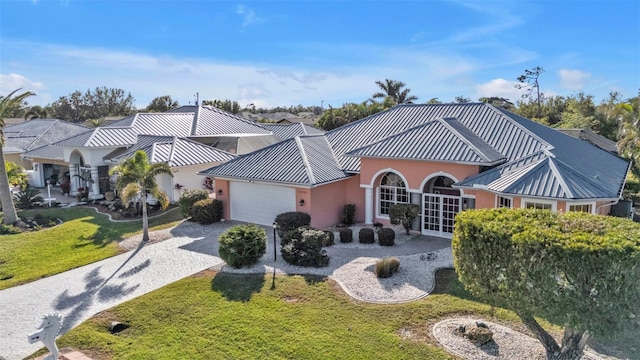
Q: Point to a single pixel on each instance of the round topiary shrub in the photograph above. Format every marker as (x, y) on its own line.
(303, 247)
(479, 335)
(190, 197)
(386, 237)
(207, 211)
(346, 235)
(331, 238)
(242, 245)
(366, 236)
(291, 220)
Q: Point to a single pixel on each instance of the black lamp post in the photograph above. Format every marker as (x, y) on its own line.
(275, 227)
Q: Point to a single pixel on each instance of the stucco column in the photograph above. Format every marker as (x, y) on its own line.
(73, 179)
(368, 205)
(95, 186)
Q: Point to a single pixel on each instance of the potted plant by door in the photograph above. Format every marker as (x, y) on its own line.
(66, 187)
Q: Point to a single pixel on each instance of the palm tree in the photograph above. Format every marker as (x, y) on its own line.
(137, 177)
(36, 112)
(394, 89)
(7, 105)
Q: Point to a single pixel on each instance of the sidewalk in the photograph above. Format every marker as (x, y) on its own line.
(80, 293)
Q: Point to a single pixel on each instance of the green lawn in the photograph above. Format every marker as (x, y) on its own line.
(227, 316)
(83, 238)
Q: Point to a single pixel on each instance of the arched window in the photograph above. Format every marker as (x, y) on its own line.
(392, 191)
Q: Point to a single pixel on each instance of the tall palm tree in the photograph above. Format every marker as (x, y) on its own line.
(36, 112)
(7, 105)
(395, 90)
(136, 178)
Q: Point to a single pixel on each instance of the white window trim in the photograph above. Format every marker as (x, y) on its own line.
(379, 187)
(591, 203)
(497, 204)
(524, 201)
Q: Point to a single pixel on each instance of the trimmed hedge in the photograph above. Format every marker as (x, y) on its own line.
(207, 211)
(348, 214)
(190, 197)
(583, 267)
(346, 235)
(303, 247)
(366, 236)
(242, 245)
(292, 220)
(331, 238)
(386, 237)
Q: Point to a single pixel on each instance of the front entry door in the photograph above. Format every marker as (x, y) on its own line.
(438, 213)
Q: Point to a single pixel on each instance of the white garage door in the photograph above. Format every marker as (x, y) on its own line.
(259, 203)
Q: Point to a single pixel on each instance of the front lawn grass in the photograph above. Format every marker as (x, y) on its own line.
(84, 237)
(229, 316)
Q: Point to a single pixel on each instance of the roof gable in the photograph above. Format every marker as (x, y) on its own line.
(213, 121)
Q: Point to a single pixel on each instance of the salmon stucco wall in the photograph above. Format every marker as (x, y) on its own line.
(414, 172)
(328, 201)
(223, 196)
(485, 200)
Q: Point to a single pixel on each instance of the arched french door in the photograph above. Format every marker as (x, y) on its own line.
(440, 204)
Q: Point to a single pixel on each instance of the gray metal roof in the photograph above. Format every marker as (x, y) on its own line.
(173, 150)
(210, 120)
(540, 161)
(287, 131)
(305, 160)
(46, 152)
(593, 138)
(37, 133)
(437, 140)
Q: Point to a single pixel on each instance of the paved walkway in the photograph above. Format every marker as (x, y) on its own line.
(80, 293)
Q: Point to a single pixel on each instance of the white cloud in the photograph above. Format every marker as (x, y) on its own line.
(248, 16)
(573, 79)
(500, 88)
(11, 82)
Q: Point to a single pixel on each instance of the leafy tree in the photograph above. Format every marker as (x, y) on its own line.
(36, 112)
(629, 133)
(336, 117)
(229, 106)
(529, 81)
(462, 99)
(136, 178)
(94, 123)
(96, 104)
(498, 102)
(8, 105)
(16, 175)
(549, 113)
(434, 101)
(162, 104)
(574, 268)
(403, 214)
(395, 90)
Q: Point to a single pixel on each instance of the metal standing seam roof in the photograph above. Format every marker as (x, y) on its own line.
(213, 121)
(287, 131)
(437, 140)
(37, 133)
(173, 150)
(541, 162)
(305, 160)
(46, 152)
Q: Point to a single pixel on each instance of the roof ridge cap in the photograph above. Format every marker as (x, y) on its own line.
(464, 138)
(307, 166)
(517, 124)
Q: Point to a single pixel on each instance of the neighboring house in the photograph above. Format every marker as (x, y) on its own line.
(443, 157)
(593, 138)
(287, 131)
(34, 134)
(92, 153)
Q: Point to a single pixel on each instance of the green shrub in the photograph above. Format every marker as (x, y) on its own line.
(403, 214)
(348, 213)
(303, 247)
(26, 198)
(386, 237)
(346, 235)
(207, 211)
(44, 220)
(479, 335)
(387, 267)
(291, 220)
(632, 186)
(9, 230)
(190, 197)
(366, 236)
(331, 238)
(242, 245)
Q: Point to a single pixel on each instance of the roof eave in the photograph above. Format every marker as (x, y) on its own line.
(493, 163)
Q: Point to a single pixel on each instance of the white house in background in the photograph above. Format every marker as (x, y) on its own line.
(191, 139)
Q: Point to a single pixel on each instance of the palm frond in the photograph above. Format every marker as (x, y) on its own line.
(129, 192)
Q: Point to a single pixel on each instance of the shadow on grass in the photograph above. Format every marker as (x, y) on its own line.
(447, 283)
(237, 287)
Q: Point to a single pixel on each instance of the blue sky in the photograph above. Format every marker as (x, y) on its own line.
(312, 53)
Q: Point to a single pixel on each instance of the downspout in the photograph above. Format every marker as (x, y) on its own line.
(624, 182)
